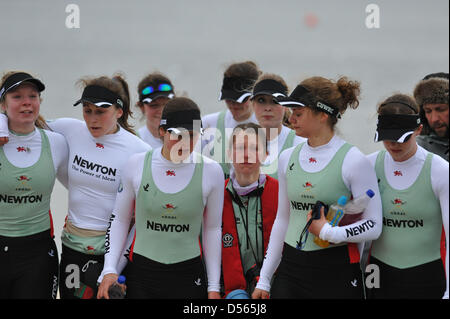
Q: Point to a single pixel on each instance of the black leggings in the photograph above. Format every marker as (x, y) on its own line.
(425, 281)
(148, 279)
(79, 273)
(320, 274)
(28, 267)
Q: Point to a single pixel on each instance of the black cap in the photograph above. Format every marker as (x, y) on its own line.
(270, 87)
(16, 79)
(100, 96)
(236, 89)
(181, 113)
(396, 127)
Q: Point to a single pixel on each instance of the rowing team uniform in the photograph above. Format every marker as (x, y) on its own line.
(148, 137)
(28, 254)
(94, 171)
(220, 125)
(173, 203)
(307, 174)
(415, 213)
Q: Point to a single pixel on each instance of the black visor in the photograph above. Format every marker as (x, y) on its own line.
(301, 96)
(189, 120)
(396, 127)
(18, 78)
(153, 91)
(99, 96)
(270, 87)
(236, 89)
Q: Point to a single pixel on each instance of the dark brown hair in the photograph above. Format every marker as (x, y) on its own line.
(398, 104)
(247, 69)
(40, 121)
(118, 85)
(341, 94)
(178, 104)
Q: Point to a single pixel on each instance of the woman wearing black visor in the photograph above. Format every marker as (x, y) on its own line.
(99, 147)
(238, 81)
(270, 113)
(414, 191)
(323, 168)
(29, 163)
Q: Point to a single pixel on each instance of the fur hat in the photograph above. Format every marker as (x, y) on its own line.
(432, 91)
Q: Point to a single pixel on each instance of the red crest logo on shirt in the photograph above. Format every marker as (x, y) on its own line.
(22, 149)
(23, 178)
(308, 185)
(398, 202)
(169, 207)
(23, 185)
(90, 249)
(99, 145)
(398, 173)
(170, 172)
(312, 160)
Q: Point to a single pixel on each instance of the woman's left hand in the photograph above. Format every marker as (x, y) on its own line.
(214, 295)
(316, 225)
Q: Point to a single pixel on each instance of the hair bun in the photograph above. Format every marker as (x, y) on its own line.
(350, 91)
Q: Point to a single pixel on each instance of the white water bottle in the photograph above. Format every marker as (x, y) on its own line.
(353, 209)
(359, 204)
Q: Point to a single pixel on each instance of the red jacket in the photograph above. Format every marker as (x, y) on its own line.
(233, 273)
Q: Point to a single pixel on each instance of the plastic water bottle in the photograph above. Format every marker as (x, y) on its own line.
(115, 290)
(334, 216)
(359, 204)
(354, 208)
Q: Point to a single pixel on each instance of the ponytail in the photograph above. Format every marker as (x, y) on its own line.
(123, 120)
(118, 85)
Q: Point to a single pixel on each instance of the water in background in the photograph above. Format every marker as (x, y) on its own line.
(193, 41)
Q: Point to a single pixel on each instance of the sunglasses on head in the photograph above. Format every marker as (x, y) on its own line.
(164, 87)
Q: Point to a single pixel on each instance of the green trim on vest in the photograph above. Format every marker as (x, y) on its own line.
(219, 143)
(168, 225)
(272, 169)
(304, 189)
(25, 194)
(86, 245)
(412, 221)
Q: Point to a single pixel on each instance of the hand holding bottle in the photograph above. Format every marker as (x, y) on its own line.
(117, 289)
(317, 224)
(334, 216)
(109, 280)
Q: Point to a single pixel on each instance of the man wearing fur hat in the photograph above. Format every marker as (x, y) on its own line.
(431, 95)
